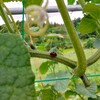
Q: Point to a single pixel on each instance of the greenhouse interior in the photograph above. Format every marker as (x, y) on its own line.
(49, 49)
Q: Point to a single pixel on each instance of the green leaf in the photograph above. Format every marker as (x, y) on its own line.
(70, 2)
(93, 10)
(70, 93)
(16, 77)
(87, 25)
(33, 2)
(97, 43)
(44, 67)
(59, 85)
(47, 94)
(95, 1)
(60, 97)
(89, 91)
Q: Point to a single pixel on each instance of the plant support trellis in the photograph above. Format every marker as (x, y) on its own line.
(57, 79)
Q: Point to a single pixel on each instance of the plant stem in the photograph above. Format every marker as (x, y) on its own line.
(82, 3)
(93, 58)
(72, 64)
(81, 67)
(6, 19)
(39, 74)
(40, 54)
(14, 24)
(85, 80)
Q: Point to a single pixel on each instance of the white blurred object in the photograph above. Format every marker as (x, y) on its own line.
(53, 17)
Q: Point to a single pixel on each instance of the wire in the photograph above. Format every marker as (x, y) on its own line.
(58, 79)
(23, 12)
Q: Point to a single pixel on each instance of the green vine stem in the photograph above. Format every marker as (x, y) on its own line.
(72, 64)
(6, 19)
(94, 58)
(81, 66)
(85, 80)
(13, 22)
(41, 54)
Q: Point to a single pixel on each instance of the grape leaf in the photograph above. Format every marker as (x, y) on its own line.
(16, 77)
(59, 85)
(89, 91)
(48, 94)
(93, 10)
(44, 67)
(87, 25)
(69, 93)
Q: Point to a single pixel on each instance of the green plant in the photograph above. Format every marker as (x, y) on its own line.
(89, 43)
(15, 57)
